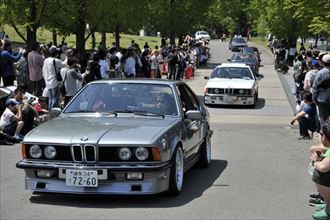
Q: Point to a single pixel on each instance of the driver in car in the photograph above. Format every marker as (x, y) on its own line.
(164, 104)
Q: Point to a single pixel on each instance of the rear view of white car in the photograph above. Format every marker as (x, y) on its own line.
(231, 84)
(202, 35)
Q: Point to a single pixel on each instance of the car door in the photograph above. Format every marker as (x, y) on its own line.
(192, 127)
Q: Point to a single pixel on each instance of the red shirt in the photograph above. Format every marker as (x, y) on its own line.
(38, 108)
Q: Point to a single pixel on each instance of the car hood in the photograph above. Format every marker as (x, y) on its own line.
(230, 83)
(101, 130)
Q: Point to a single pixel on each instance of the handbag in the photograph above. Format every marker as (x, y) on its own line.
(58, 73)
(62, 85)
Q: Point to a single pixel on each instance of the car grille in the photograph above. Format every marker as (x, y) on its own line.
(217, 91)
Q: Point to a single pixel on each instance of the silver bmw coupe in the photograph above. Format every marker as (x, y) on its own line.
(119, 137)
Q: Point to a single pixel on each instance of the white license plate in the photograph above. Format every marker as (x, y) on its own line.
(244, 98)
(86, 178)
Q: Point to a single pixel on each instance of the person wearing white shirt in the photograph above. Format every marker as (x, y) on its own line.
(49, 71)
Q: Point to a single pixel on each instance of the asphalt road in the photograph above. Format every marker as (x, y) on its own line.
(258, 169)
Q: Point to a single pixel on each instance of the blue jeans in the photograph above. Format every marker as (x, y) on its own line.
(54, 98)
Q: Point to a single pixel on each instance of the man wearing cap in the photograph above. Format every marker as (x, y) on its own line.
(12, 123)
(321, 90)
(35, 62)
(52, 65)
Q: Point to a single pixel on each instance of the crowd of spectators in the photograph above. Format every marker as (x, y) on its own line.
(55, 74)
(312, 93)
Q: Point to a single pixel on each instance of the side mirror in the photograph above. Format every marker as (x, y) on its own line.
(194, 115)
(229, 60)
(54, 112)
(206, 77)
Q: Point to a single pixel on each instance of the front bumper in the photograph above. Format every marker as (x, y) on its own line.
(112, 178)
(229, 100)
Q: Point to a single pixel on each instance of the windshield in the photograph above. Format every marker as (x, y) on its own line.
(239, 40)
(125, 98)
(244, 58)
(203, 33)
(232, 72)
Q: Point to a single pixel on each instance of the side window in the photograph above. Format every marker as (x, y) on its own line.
(187, 99)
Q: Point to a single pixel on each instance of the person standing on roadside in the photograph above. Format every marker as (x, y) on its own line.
(321, 90)
(7, 63)
(172, 60)
(52, 65)
(154, 64)
(35, 63)
(70, 77)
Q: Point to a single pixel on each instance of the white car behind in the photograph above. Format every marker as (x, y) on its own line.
(202, 35)
(231, 84)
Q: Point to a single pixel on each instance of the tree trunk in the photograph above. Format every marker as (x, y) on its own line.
(104, 39)
(80, 41)
(31, 37)
(55, 38)
(316, 40)
(172, 38)
(117, 36)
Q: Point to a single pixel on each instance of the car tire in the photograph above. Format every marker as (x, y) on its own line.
(255, 100)
(176, 173)
(205, 152)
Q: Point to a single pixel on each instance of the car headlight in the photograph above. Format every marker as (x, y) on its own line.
(141, 153)
(50, 152)
(35, 151)
(125, 153)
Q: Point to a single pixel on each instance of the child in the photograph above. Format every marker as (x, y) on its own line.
(41, 108)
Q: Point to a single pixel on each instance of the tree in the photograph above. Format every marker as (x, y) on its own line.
(25, 13)
(174, 18)
(313, 15)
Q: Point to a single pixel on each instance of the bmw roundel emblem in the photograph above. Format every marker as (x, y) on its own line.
(241, 91)
(84, 138)
(216, 91)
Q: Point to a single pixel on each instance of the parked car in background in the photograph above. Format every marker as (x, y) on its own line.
(252, 50)
(231, 84)
(202, 35)
(236, 43)
(248, 59)
(119, 137)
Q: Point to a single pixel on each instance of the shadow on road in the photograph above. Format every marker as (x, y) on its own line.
(195, 183)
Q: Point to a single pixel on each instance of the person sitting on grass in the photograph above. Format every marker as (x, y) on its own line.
(321, 175)
(306, 118)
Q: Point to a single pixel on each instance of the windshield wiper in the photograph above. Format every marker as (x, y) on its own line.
(146, 113)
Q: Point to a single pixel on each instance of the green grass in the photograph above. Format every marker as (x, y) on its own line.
(45, 36)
